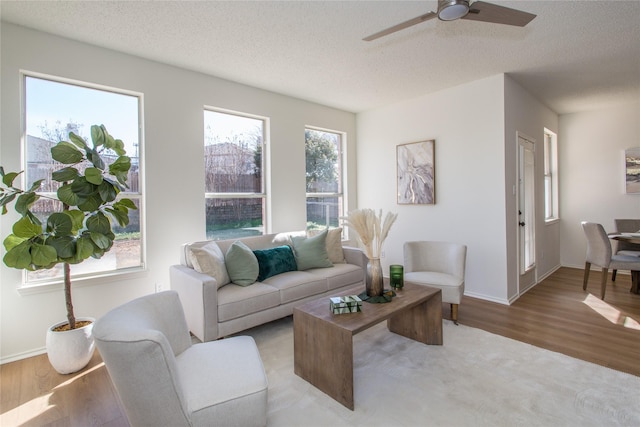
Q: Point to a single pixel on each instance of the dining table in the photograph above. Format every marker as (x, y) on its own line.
(626, 237)
(635, 239)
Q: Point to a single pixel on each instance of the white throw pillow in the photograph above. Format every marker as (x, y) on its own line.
(209, 259)
(285, 238)
(334, 244)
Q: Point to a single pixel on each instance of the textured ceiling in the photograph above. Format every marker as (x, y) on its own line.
(574, 56)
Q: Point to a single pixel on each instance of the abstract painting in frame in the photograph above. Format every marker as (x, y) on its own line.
(416, 173)
(632, 170)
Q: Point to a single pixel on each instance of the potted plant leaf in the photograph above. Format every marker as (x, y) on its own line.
(90, 179)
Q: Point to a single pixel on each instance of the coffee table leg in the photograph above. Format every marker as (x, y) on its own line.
(323, 356)
(422, 323)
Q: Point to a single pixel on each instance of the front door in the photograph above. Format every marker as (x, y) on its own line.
(526, 214)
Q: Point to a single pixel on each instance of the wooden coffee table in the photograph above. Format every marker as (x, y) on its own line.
(323, 341)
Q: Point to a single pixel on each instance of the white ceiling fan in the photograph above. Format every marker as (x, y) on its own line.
(450, 10)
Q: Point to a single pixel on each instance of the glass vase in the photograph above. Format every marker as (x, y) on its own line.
(374, 280)
(396, 276)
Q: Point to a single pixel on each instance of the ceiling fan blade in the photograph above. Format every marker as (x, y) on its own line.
(401, 26)
(488, 12)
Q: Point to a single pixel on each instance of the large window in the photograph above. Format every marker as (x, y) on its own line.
(550, 176)
(234, 174)
(324, 178)
(53, 109)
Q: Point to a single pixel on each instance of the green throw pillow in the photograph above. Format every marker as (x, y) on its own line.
(311, 252)
(242, 264)
(275, 261)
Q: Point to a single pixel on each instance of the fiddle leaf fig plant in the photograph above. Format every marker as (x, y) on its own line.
(88, 194)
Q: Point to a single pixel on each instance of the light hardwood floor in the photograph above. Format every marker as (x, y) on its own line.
(556, 315)
(559, 316)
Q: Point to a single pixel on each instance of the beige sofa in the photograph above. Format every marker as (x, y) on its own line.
(216, 306)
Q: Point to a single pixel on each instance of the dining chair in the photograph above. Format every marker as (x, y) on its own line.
(440, 265)
(622, 247)
(599, 253)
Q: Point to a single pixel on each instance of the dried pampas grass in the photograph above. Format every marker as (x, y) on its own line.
(370, 229)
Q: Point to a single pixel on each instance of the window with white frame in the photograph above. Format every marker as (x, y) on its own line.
(550, 176)
(235, 196)
(54, 108)
(324, 177)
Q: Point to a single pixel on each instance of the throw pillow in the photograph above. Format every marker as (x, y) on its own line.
(311, 252)
(209, 259)
(274, 261)
(242, 264)
(285, 238)
(334, 244)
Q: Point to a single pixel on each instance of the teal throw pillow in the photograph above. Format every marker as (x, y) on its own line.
(311, 252)
(242, 264)
(275, 261)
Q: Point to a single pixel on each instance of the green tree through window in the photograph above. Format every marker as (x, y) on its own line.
(321, 153)
(323, 159)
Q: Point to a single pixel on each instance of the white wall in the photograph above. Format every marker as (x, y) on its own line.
(526, 115)
(475, 128)
(467, 123)
(591, 156)
(173, 126)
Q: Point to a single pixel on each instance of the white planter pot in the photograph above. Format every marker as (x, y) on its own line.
(70, 351)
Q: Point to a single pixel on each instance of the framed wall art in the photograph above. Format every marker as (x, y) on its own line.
(416, 173)
(632, 170)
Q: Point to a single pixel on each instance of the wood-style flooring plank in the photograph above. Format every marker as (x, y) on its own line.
(556, 315)
(35, 395)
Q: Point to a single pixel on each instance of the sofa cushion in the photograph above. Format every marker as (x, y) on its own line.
(311, 252)
(275, 261)
(295, 285)
(333, 244)
(238, 301)
(209, 259)
(340, 275)
(225, 381)
(242, 264)
(449, 284)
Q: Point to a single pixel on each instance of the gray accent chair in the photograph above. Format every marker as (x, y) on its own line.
(625, 248)
(599, 252)
(440, 265)
(165, 380)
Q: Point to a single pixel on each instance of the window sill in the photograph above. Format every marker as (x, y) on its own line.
(551, 221)
(81, 282)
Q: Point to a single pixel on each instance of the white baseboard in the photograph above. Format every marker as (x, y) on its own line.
(24, 355)
(486, 298)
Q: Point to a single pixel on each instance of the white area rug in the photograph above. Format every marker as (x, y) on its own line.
(474, 379)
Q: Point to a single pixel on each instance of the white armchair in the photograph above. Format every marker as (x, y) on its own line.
(165, 380)
(440, 265)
